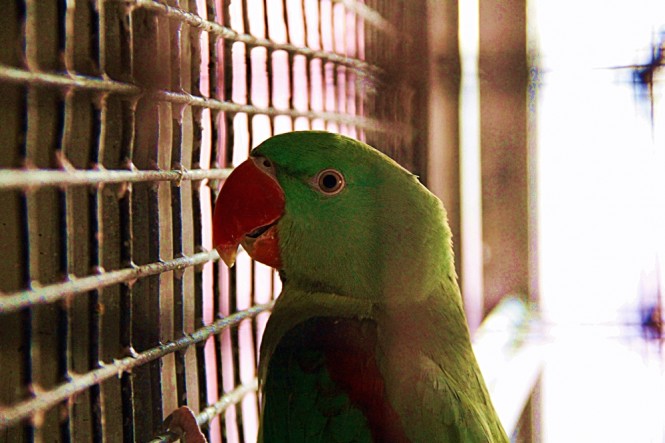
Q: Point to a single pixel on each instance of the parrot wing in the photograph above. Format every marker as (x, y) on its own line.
(432, 376)
(303, 402)
(447, 414)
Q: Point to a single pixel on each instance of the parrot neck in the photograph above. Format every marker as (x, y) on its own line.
(430, 334)
(295, 306)
(434, 324)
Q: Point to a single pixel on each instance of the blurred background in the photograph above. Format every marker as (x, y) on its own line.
(539, 124)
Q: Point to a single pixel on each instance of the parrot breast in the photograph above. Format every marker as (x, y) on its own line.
(338, 356)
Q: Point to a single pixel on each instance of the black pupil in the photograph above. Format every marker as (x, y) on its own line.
(329, 182)
(267, 163)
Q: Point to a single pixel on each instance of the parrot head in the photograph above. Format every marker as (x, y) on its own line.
(328, 211)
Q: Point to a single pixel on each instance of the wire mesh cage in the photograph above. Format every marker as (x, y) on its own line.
(119, 120)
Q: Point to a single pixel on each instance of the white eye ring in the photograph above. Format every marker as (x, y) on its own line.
(329, 182)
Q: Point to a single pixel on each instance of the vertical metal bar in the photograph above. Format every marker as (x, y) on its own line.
(233, 82)
(376, 108)
(351, 48)
(80, 41)
(370, 47)
(416, 48)
(315, 65)
(14, 340)
(277, 74)
(114, 40)
(299, 64)
(360, 84)
(243, 269)
(279, 68)
(80, 130)
(144, 229)
(279, 91)
(388, 102)
(165, 60)
(144, 293)
(181, 56)
(203, 200)
(45, 241)
(42, 36)
(203, 354)
(224, 89)
(239, 84)
(13, 327)
(45, 230)
(271, 67)
(291, 67)
(281, 81)
(326, 30)
(77, 140)
(340, 72)
(245, 143)
(397, 80)
(184, 223)
(112, 320)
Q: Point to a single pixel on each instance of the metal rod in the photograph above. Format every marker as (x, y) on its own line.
(35, 178)
(227, 400)
(17, 75)
(56, 292)
(369, 124)
(372, 17)
(45, 400)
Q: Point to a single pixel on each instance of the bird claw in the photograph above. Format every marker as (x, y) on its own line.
(182, 422)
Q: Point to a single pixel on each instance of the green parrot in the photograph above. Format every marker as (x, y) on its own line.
(368, 340)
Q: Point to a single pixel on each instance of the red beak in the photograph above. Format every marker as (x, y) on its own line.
(246, 212)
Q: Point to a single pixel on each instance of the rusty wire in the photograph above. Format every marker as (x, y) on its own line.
(17, 75)
(372, 17)
(80, 82)
(36, 178)
(59, 291)
(46, 400)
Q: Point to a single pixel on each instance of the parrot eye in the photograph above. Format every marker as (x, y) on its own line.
(329, 181)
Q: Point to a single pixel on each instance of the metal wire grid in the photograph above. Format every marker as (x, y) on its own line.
(118, 119)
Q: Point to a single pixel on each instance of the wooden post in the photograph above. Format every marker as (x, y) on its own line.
(443, 172)
(503, 116)
(508, 167)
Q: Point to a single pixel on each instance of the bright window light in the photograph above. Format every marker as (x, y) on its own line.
(601, 172)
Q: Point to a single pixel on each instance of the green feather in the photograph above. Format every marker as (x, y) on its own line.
(303, 404)
(380, 250)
